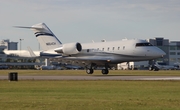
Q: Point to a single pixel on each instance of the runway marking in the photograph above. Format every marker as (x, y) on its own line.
(94, 77)
(170, 78)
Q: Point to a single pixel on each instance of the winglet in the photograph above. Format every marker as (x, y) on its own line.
(31, 52)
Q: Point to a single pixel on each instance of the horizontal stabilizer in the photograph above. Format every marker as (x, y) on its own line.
(28, 27)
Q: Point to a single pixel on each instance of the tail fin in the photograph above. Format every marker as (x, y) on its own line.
(45, 36)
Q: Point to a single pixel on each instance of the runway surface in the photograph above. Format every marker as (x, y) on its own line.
(94, 77)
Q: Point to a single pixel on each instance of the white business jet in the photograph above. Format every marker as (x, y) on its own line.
(104, 54)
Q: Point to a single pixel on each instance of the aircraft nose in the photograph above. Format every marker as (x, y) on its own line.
(160, 52)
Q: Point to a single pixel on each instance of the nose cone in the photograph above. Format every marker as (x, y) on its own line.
(158, 52)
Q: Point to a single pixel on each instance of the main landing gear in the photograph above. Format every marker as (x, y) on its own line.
(103, 71)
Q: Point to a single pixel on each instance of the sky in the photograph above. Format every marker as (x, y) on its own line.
(86, 20)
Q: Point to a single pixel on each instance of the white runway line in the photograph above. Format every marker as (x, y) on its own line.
(169, 78)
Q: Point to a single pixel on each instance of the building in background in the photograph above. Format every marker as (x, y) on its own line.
(2, 55)
(174, 52)
(7, 45)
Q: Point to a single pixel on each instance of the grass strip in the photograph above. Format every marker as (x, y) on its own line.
(90, 95)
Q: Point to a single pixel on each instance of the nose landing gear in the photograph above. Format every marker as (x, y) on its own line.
(104, 71)
(153, 68)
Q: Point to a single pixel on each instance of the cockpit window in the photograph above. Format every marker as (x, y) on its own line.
(143, 44)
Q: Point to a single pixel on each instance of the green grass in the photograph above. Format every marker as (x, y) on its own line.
(96, 72)
(90, 95)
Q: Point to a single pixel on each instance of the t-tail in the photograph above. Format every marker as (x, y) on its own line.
(45, 36)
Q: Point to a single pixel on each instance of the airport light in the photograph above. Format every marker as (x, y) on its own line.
(20, 42)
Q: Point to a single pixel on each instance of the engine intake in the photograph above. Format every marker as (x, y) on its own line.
(69, 49)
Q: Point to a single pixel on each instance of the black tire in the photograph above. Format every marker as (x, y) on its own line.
(151, 68)
(156, 68)
(105, 71)
(89, 71)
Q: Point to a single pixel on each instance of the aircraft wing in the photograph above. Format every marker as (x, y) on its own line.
(84, 61)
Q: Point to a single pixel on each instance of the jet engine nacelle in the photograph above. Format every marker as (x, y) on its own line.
(69, 49)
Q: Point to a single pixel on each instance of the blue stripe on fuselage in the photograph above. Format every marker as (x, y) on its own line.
(40, 34)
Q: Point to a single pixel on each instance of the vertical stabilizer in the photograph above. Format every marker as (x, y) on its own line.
(45, 37)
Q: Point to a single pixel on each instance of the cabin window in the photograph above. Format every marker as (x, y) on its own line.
(123, 47)
(102, 49)
(108, 49)
(118, 48)
(87, 50)
(113, 48)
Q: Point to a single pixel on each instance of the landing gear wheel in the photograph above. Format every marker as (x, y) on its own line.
(105, 71)
(156, 68)
(151, 68)
(89, 71)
